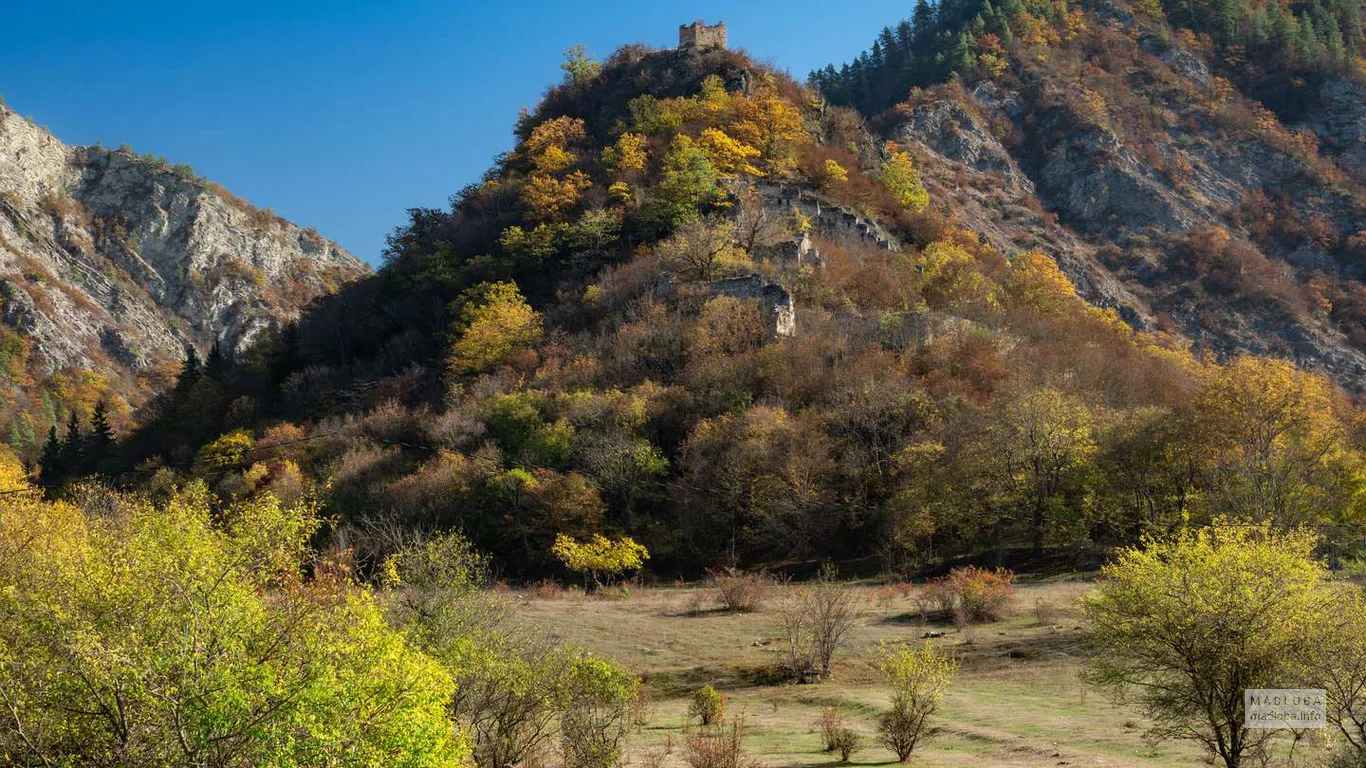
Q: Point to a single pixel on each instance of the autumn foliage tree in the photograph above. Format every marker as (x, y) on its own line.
(1185, 623)
(152, 635)
(600, 558)
(495, 323)
(1275, 443)
(919, 677)
(900, 177)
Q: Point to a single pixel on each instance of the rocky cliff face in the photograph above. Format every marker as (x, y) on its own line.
(1164, 192)
(112, 263)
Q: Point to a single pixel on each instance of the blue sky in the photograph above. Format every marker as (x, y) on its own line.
(342, 114)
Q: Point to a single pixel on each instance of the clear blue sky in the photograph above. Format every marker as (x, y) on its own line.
(341, 114)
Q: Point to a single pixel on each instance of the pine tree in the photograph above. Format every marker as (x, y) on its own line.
(73, 448)
(1308, 45)
(284, 352)
(905, 35)
(1330, 33)
(1351, 27)
(963, 55)
(1230, 16)
(1007, 36)
(1261, 28)
(887, 41)
(21, 433)
(217, 363)
(101, 438)
(52, 469)
(923, 21)
(191, 372)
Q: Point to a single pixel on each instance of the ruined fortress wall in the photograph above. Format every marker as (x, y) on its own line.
(699, 35)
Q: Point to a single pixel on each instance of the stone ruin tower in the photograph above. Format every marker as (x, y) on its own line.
(700, 36)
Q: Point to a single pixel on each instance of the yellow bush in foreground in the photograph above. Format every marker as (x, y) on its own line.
(133, 634)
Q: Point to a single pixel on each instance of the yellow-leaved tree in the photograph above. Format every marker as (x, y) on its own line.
(600, 557)
(919, 677)
(900, 176)
(134, 634)
(1036, 283)
(768, 122)
(1182, 625)
(227, 453)
(950, 278)
(13, 478)
(553, 149)
(730, 157)
(1276, 449)
(495, 323)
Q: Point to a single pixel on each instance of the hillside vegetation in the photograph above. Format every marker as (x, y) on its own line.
(705, 323)
(1194, 165)
(698, 307)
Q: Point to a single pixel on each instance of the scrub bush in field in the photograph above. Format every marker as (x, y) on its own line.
(708, 705)
(919, 677)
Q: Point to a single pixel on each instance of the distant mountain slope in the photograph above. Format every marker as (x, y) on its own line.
(1196, 171)
(112, 263)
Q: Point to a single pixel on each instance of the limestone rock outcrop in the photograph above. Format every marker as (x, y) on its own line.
(113, 262)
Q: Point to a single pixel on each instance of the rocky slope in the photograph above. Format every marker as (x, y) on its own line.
(1189, 201)
(112, 263)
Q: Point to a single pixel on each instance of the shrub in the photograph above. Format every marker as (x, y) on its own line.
(654, 757)
(978, 594)
(742, 592)
(1044, 611)
(390, 423)
(847, 742)
(816, 618)
(708, 704)
(547, 589)
(830, 723)
(599, 696)
(185, 623)
(508, 680)
(718, 746)
(918, 679)
(506, 695)
(983, 594)
(938, 596)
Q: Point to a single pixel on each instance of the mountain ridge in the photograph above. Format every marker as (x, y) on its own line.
(1138, 153)
(112, 264)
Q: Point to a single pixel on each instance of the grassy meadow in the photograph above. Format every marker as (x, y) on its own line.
(1017, 702)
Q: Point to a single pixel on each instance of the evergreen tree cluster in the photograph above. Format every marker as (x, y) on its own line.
(950, 38)
(1316, 37)
(78, 453)
(81, 453)
(938, 42)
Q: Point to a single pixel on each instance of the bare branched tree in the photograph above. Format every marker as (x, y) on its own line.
(816, 620)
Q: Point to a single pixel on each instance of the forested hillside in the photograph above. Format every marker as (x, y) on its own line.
(1195, 166)
(1047, 314)
(1264, 46)
(698, 306)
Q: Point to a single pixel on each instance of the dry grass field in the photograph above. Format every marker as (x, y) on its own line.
(1017, 702)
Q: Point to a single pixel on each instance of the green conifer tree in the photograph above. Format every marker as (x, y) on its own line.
(100, 441)
(52, 472)
(73, 448)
